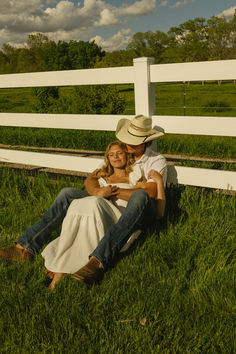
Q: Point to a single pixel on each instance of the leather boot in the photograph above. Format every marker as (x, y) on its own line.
(15, 253)
(90, 273)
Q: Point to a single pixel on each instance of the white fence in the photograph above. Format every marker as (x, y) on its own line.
(143, 74)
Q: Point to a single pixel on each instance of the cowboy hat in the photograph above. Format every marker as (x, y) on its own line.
(136, 131)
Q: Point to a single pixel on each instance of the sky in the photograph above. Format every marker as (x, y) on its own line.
(111, 23)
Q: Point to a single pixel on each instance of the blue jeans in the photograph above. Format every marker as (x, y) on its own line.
(38, 234)
(139, 213)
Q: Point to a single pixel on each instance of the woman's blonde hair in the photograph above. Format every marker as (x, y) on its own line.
(107, 170)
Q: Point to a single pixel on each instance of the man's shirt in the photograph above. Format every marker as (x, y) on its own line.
(152, 160)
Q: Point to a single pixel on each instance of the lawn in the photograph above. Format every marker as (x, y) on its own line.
(208, 99)
(174, 292)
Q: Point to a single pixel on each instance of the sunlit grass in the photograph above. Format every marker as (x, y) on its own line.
(173, 292)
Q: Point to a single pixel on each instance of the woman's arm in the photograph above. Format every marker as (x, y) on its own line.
(161, 197)
(93, 188)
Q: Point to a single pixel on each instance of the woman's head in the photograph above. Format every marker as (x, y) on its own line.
(116, 156)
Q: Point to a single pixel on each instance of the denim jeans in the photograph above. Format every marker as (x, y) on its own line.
(139, 213)
(38, 234)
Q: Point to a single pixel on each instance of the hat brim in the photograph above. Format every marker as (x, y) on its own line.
(123, 134)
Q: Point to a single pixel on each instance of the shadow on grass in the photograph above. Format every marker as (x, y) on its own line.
(172, 215)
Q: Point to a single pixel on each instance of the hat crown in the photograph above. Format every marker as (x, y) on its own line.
(142, 122)
(136, 131)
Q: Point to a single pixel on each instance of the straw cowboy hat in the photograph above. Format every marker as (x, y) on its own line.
(136, 131)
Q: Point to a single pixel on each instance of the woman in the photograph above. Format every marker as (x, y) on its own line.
(88, 220)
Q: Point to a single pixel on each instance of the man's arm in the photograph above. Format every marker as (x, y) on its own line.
(149, 187)
(91, 184)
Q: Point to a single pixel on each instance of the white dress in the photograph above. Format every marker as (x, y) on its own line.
(85, 224)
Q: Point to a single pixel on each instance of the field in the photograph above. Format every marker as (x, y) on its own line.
(173, 292)
(208, 99)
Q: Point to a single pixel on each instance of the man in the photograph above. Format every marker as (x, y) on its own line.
(140, 211)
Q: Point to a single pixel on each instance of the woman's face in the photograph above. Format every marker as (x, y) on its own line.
(117, 156)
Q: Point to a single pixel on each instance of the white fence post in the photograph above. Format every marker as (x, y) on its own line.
(144, 90)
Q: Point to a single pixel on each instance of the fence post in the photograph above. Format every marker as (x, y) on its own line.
(144, 90)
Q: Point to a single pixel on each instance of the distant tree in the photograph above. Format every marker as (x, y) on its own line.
(188, 42)
(36, 40)
(150, 44)
(139, 44)
(116, 58)
(84, 55)
(222, 38)
(99, 99)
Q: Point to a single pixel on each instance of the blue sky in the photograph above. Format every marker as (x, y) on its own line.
(111, 23)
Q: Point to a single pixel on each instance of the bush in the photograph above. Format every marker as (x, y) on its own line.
(217, 106)
(99, 99)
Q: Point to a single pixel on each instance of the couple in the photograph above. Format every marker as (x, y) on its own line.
(96, 228)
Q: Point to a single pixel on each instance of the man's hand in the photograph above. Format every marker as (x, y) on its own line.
(106, 192)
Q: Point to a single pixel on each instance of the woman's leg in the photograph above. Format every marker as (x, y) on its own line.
(38, 234)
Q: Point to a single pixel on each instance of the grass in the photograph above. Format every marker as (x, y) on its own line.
(207, 99)
(173, 292)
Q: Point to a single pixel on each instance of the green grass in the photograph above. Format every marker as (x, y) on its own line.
(180, 277)
(207, 99)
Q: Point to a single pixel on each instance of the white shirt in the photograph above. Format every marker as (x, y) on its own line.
(152, 160)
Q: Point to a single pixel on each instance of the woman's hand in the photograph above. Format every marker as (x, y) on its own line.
(107, 191)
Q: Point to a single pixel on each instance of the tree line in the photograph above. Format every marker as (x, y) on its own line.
(195, 40)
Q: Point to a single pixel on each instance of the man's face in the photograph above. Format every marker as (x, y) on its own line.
(136, 149)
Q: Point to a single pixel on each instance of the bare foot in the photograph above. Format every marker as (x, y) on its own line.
(57, 277)
(49, 273)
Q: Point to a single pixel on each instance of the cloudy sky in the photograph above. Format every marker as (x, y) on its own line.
(111, 23)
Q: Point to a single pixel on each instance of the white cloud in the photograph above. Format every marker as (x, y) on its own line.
(228, 14)
(181, 3)
(107, 18)
(116, 42)
(63, 19)
(142, 7)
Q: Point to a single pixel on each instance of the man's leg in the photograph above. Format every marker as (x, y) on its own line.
(139, 213)
(37, 235)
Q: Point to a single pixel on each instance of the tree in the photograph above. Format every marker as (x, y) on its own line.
(36, 40)
(116, 58)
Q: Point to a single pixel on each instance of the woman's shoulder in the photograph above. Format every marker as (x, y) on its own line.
(102, 182)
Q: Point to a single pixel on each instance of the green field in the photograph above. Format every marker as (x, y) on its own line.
(204, 99)
(174, 292)
(208, 99)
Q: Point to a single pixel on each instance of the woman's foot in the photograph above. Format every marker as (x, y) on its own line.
(49, 273)
(57, 277)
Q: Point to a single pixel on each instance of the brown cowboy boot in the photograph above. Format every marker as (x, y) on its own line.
(90, 273)
(16, 253)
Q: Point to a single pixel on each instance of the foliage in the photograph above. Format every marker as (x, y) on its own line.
(45, 98)
(97, 99)
(42, 54)
(175, 288)
(194, 40)
(217, 106)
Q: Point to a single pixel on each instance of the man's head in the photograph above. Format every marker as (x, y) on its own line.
(137, 131)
